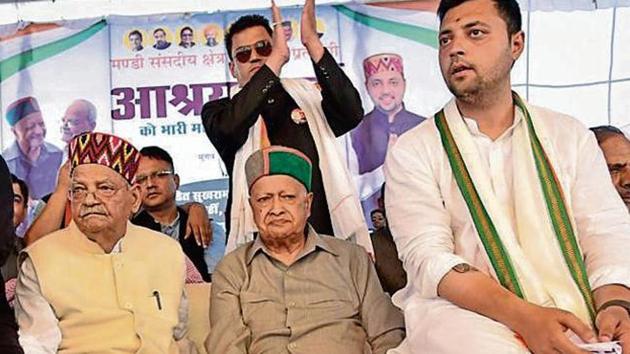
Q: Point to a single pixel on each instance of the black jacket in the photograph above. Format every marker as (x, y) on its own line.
(189, 245)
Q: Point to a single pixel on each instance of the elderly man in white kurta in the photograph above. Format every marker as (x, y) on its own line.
(503, 213)
(102, 285)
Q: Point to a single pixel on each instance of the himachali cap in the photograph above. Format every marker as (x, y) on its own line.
(107, 150)
(22, 108)
(279, 160)
(382, 62)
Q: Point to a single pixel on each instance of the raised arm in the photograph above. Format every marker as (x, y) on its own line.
(51, 217)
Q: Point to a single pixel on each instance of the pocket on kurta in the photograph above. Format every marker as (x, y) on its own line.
(329, 308)
(262, 312)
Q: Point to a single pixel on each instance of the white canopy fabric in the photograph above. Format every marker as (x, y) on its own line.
(43, 11)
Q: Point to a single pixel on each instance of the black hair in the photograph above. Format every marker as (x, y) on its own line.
(136, 32)
(243, 23)
(604, 132)
(23, 187)
(157, 153)
(509, 11)
(159, 29)
(185, 28)
(377, 211)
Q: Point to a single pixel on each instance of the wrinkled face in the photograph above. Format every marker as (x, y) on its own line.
(157, 182)
(616, 150)
(244, 71)
(30, 131)
(476, 53)
(160, 37)
(19, 205)
(386, 89)
(101, 199)
(281, 206)
(135, 40)
(187, 36)
(75, 121)
(378, 220)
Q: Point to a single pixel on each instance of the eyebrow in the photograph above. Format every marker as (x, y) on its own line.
(466, 26)
(617, 165)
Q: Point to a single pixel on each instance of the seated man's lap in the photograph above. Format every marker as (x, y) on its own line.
(438, 326)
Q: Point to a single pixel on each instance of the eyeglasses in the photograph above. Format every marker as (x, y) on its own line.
(79, 193)
(242, 54)
(144, 179)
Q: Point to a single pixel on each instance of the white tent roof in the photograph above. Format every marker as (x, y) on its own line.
(43, 11)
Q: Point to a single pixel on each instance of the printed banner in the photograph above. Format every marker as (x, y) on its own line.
(146, 78)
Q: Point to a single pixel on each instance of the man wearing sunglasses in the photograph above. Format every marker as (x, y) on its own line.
(158, 181)
(266, 110)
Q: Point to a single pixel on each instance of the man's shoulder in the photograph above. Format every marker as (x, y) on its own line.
(413, 116)
(12, 152)
(342, 247)
(421, 134)
(49, 241)
(235, 262)
(154, 237)
(559, 126)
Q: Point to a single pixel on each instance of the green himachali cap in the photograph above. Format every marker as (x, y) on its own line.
(279, 160)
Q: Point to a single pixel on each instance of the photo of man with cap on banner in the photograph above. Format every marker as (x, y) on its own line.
(386, 84)
(30, 158)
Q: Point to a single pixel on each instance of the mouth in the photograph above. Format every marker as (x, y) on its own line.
(458, 70)
(255, 68)
(152, 194)
(278, 222)
(92, 214)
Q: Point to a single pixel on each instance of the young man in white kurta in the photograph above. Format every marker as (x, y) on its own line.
(453, 302)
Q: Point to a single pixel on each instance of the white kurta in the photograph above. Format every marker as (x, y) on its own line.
(434, 231)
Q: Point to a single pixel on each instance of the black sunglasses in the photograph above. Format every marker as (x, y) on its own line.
(263, 48)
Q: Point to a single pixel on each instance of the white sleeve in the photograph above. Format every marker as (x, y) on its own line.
(602, 219)
(39, 330)
(416, 214)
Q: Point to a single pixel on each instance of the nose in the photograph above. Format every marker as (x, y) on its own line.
(456, 48)
(625, 178)
(90, 199)
(254, 58)
(38, 129)
(276, 206)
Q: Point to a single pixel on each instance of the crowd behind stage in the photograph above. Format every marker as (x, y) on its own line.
(502, 227)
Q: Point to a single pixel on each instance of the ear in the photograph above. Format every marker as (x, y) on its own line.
(309, 203)
(136, 198)
(176, 179)
(517, 44)
(233, 70)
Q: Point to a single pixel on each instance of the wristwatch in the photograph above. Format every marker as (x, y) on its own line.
(622, 303)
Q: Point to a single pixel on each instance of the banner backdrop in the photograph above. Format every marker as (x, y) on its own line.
(146, 79)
